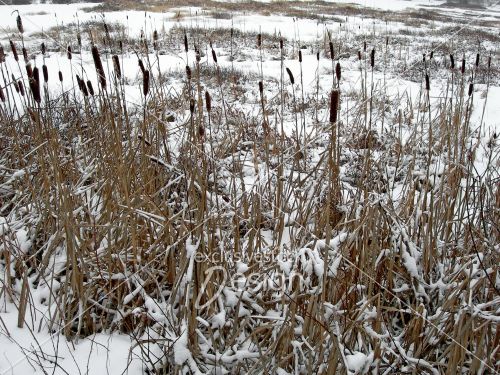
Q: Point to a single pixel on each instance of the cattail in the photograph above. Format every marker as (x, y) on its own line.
(116, 66)
(20, 26)
(386, 41)
(201, 131)
(82, 85)
(14, 50)
(317, 56)
(463, 66)
(281, 44)
(477, 60)
(334, 104)
(188, 72)
(35, 85)
(364, 46)
(79, 82)
(25, 54)
(42, 47)
(431, 56)
(191, 105)
(372, 58)
(79, 39)
(338, 71)
(145, 83)
(106, 30)
(208, 101)
(141, 66)
(261, 87)
(259, 40)
(21, 87)
(60, 76)
(214, 56)
(186, 47)
(70, 53)
(423, 58)
(471, 88)
(452, 61)
(2, 54)
(29, 70)
(98, 67)
(45, 73)
(90, 87)
(489, 62)
(2, 95)
(300, 56)
(155, 40)
(290, 75)
(359, 55)
(427, 82)
(332, 53)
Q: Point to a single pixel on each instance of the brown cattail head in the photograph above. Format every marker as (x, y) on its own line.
(452, 61)
(98, 67)
(431, 56)
(261, 88)
(423, 58)
(29, 70)
(19, 22)
(155, 40)
(35, 85)
(281, 44)
(317, 56)
(2, 95)
(477, 60)
(372, 58)
(141, 66)
(44, 50)
(201, 131)
(332, 53)
(21, 87)
(186, 46)
(300, 56)
(338, 71)
(145, 82)
(471, 88)
(90, 88)
(290, 75)
(334, 105)
(364, 46)
(489, 62)
(60, 76)
(25, 54)
(191, 105)
(45, 73)
(259, 40)
(70, 53)
(463, 66)
(14, 50)
(386, 41)
(359, 55)
(188, 72)
(427, 82)
(208, 101)
(116, 66)
(214, 56)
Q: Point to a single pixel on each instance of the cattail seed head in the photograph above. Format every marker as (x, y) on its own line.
(364, 46)
(477, 60)
(2, 95)
(386, 41)
(290, 75)
(463, 66)
(44, 50)
(317, 56)
(214, 56)
(300, 56)
(427, 82)
(471, 88)
(14, 50)
(98, 67)
(186, 46)
(191, 105)
(281, 44)
(372, 58)
(259, 40)
(19, 23)
(188, 72)
(90, 88)
(70, 53)
(29, 70)
(489, 62)
(334, 105)
(145, 83)
(431, 56)
(452, 61)
(359, 55)
(338, 71)
(60, 76)
(141, 66)
(45, 73)
(35, 85)
(208, 101)
(332, 53)
(21, 87)
(116, 66)
(261, 87)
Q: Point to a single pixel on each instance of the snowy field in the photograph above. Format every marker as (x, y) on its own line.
(249, 188)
